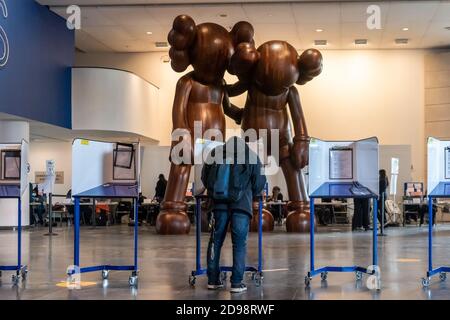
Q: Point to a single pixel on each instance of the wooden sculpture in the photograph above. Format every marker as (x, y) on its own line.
(208, 47)
(269, 74)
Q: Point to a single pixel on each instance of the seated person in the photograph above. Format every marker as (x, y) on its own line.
(423, 211)
(325, 212)
(39, 209)
(276, 209)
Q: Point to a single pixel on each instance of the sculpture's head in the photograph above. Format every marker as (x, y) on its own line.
(208, 47)
(275, 66)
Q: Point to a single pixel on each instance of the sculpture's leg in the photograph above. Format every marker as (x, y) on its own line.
(298, 217)
(173, 218)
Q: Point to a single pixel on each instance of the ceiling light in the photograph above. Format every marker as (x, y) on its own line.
(320, 42)
(149, 32)
(319, 30)
(405, 29)
(360, 41)
(401, 41)
(223, 15)
(447, 28)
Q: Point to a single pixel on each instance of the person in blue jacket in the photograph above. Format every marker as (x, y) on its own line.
(247, 177)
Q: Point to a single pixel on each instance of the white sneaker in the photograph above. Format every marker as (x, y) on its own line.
(238, 288)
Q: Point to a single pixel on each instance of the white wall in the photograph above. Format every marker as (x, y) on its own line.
(114, 100)
(437, 94)
(61, 152)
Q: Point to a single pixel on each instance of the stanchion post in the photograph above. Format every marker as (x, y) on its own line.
(19, 235)
(50, 216)
(198, 221)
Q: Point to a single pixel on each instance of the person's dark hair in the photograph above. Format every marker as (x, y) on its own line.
(277, 188)
(161, 177)
(382, 173)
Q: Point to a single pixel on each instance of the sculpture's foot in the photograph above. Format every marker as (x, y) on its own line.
(173, 219)
(267, 217)
(298, 219)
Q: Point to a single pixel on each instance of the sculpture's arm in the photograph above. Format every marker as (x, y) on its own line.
(299, 153)
(231, 110)
(298, 118)
(237, 89)
(179, 112)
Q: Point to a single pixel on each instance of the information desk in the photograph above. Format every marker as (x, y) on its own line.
(441, 191)
(351, 190)
(257, 274)
(12, 191)
(107, 191)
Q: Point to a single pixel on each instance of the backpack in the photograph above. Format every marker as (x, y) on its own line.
(228, 182)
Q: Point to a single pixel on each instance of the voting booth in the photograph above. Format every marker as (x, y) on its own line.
(14, 169)
(438, 186)
(108, 171)
(343, 169)
(202, 150)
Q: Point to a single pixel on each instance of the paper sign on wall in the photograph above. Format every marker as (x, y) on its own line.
(39, 177)
(341, 164)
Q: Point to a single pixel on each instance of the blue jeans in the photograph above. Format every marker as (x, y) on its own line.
(239, 230)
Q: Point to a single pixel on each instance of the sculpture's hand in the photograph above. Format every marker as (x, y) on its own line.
(300, 152)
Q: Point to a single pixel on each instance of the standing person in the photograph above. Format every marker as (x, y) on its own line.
(232, 188)
(160, 189)
(361, 214)
(383, 185)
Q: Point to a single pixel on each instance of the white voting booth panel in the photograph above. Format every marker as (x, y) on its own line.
(8, 207)
(202, 148)
(93, 165)
(24, 167)
(343, 161)
(438, 162)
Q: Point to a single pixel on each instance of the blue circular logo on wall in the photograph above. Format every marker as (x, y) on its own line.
(4, 44)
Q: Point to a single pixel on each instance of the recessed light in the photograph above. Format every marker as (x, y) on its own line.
(223, 15)
(401, 41)
(320, 42)
(361, 41)
(319, 30)
(149, 32)
(405, 29)
(447, 28)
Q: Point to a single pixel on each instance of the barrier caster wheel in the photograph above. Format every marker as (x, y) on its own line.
(24, 274)
(259, 279)
(15, 279)
(324, 276)
(133, 281)
(0, 274)
(426, 282)
(192, 281)
(105, 274)
(358, 275)
(223, 276)
(443, 276)
(308, 281)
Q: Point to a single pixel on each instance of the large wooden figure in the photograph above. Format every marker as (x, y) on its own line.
(208, 47)
(269, 74)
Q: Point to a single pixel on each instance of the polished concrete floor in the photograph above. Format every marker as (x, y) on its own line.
(166, 262)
